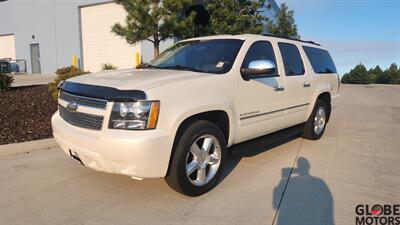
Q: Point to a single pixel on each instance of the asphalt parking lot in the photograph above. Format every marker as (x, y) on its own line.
(356, 162)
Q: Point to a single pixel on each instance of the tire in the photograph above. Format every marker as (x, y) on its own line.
(180, 178)
(310, 131)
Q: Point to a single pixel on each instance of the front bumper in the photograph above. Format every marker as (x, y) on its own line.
(139, 154)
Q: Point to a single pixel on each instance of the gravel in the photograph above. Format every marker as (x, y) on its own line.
(25, 114)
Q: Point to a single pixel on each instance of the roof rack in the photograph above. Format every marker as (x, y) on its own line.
(289, 38)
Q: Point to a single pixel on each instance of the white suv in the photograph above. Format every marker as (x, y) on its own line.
(176, 116)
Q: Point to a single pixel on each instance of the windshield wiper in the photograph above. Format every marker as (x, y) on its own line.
(174, 67)
(143, 66)
(181, 67)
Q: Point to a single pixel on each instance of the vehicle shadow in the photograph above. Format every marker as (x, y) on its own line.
(308, 201)
(259, 145)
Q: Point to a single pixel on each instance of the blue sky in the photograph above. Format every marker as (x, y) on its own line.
(354, 31)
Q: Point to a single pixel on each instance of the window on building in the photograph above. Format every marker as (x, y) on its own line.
(321, 61)
(291, 59)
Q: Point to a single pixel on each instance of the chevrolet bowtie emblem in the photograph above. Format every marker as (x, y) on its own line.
(72, 106)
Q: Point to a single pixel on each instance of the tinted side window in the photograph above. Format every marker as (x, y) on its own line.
(291, 59)
(260, 50)
(320, 60)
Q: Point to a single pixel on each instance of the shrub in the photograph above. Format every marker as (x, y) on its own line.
(5, 81)
(63, 74)
(109, 66)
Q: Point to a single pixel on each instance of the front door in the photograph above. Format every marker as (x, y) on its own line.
(260, 102)
(35, 58)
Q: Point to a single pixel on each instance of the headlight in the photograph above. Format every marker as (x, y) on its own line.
(139, 115)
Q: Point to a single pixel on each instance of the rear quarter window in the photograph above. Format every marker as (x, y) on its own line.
(320, 59)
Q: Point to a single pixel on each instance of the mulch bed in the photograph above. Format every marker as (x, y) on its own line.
(25, 114)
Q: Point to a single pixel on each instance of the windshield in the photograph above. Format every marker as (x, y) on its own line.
(208, 56)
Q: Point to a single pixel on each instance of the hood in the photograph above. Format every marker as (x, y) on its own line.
(137, 79)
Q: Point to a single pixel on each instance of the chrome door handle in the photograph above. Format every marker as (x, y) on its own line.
(279, 88)
(306, 85)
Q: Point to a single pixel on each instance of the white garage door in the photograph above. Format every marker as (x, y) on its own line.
(99, 44)
(7, 46)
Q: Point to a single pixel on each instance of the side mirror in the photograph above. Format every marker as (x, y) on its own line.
(259, 68)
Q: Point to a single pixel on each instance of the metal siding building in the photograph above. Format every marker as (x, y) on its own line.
(48, 33)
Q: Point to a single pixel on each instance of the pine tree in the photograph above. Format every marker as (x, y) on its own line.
(373, 74)
(285, 24)
(345, 79)
(235, 16)
(394, 74)
(155, 21)
(384, 78)
(357, 75)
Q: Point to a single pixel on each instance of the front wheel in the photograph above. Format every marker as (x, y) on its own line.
(198, 160)
(315, 126)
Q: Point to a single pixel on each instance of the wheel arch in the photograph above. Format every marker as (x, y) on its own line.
(326, 97)
(221, 117)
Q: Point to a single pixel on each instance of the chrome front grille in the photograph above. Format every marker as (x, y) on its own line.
(84, 101)
(79, 119)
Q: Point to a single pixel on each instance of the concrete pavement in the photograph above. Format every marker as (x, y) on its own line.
(32, 79)
(355, 162)
(27, 147)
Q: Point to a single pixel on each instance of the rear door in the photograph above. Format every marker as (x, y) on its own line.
(297, 90)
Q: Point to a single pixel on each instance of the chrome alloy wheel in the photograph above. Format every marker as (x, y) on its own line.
(203, 160)
(319, 120)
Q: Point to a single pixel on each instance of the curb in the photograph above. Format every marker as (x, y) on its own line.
(27, 147)
(29, 84)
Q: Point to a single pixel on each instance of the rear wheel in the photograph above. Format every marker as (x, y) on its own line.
(315, 125)
(199, 158)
